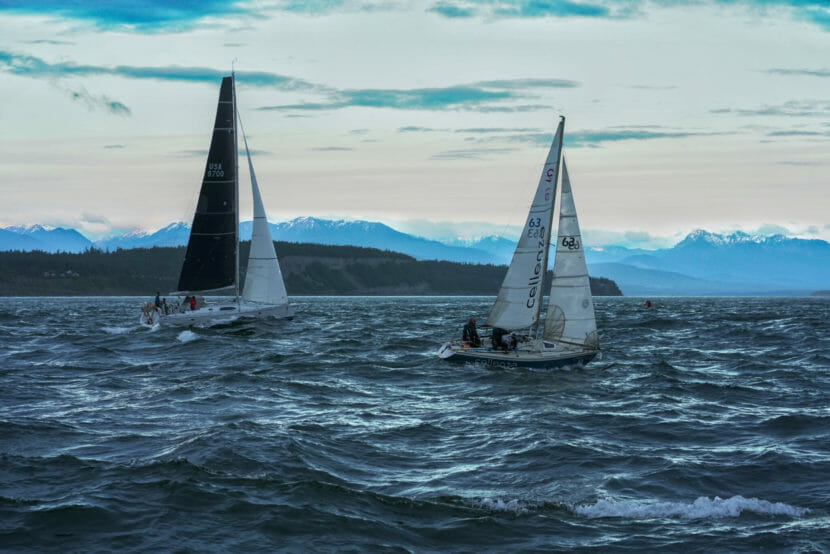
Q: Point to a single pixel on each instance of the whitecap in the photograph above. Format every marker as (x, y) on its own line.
(701, 508)
(499, 505)
(187, 336)
(117, 330)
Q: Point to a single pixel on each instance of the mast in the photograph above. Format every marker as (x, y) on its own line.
(518, 304)
(236, 186)
(535, 332)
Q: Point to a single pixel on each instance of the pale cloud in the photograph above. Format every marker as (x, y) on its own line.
(800, 163)
(102, 101)
(816, 12)
(791, 108)
(470, 154)
(95, 218)
(666, 134)
(481, 96)
(824, 73)
(770, 229)
(147, 16)
(604, 238)
(31, 66)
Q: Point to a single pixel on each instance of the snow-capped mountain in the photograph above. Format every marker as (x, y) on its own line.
(702, 263)
(737, 263)
(41, 237)
(499, 248)
(372, 235)
(175, 234)
(320, 231)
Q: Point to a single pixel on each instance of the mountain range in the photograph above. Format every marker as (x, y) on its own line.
(706, 263)
(42, 237)
(703, 263)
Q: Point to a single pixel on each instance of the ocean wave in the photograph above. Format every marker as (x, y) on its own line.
(187, 336)
(290, 435)
(514, 506)
(702, 508)
(118, 330)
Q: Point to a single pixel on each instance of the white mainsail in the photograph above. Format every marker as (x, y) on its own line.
(570, 317)
(263, 279)
(520, 296)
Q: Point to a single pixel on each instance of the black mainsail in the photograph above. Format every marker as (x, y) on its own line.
(211, 259)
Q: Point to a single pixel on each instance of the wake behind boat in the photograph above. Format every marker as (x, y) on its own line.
(211, 261)
(570, 335)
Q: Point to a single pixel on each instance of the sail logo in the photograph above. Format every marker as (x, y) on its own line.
(535, 279)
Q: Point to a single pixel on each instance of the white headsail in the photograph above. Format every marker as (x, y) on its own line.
(520, 296)
(570, 317)
(263, 278)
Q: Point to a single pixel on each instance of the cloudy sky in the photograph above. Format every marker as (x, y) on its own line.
(714, 115)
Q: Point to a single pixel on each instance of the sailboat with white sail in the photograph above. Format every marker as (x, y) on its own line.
(569, 335)
(211, 262)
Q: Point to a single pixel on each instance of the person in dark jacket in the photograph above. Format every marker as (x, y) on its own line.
(469, 334)
(503, 339)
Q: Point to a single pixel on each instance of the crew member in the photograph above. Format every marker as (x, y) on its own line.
(502, 343)
(470, 335)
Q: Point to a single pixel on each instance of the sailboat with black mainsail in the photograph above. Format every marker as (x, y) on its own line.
(211, 263)
(569, 335)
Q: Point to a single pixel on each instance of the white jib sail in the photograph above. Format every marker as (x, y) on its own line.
(570, 317)
(520, 296)
(263, 278)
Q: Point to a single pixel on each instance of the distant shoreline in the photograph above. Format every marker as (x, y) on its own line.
(308, 269)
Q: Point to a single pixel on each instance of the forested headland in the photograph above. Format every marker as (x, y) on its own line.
(308, 269)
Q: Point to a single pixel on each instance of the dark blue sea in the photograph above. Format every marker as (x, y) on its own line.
(703, 427)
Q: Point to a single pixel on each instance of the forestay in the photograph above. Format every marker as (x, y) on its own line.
(520, 296)
(263, 278)
(570, 317)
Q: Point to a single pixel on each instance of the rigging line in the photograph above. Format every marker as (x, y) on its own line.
(567, 342)
(533, 174)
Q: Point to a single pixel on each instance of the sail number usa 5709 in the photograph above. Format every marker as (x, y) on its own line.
(215, 170)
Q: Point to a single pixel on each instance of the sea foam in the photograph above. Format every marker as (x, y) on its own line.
(187, 336)
(117, 330)
(701, 508)
(499, 505)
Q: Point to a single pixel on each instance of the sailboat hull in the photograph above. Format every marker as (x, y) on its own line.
(544, 359)
(219, 313)
(212, 258)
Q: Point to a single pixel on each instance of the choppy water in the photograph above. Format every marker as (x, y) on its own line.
(704, 427)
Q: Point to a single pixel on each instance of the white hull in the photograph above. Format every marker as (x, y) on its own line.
(218, 313)
(211, 262)
(570, 332)
(535, 354)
